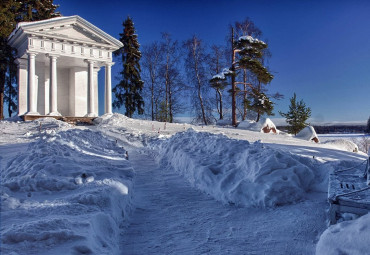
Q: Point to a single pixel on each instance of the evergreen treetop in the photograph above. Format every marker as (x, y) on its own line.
(297, 115)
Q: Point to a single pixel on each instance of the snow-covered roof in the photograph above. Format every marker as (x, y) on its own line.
(308, 133)
(257, 126)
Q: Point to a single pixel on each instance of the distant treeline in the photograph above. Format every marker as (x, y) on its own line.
(334, 129)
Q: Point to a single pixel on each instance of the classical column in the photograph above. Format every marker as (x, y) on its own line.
(96, 89)
(90, 85)
(108, 88)
(22, 85)
(53, 86)
(32, 96)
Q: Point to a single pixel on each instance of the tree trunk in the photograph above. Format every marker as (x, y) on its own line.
(199, 83)
(233, 85)
(1, 105)
(10, 110)
(201, 104)
(152, 101)
(258, 117)
(152, 92)
(156, 109)
(245, 94)
(220, 95)
(166, 81)
(170, 102)
(2, 88)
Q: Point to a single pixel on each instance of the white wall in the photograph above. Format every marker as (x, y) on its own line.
(78, 91)
(40, 84)
(63, 91)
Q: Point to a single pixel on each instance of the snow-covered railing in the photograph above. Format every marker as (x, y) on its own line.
(348, 193)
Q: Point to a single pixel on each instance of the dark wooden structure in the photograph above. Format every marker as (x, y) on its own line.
(70, 120)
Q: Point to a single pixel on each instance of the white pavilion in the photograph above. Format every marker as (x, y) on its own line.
(58, 62)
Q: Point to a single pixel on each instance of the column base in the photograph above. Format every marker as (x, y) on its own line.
(54, 114)
(32, 113)
(91, 114)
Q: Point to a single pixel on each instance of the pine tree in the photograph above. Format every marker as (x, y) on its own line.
(367, 131)
(261, 104)
(297, 115)
(128, 91)
(12, 12)
(247, 55)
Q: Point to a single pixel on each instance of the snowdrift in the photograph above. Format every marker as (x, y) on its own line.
(68, 194)
(264, 126)
(237, 172)
(348, 237)
(343, 144)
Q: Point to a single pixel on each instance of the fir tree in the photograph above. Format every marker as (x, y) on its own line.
(297, 115)
(128, 91)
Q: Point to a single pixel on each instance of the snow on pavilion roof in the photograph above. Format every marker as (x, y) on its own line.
(70, 28)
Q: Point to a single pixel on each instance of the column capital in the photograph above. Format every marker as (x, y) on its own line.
(109, 63)
(31, 53)
(21, 62)
(90, 61)
(52, 56)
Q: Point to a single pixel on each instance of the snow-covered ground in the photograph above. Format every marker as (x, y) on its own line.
(63, 190)
(195, 190)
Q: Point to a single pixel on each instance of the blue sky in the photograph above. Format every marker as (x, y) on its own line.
(320, 49)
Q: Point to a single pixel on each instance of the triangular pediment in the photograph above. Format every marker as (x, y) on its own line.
(73, 32)
(73, 28)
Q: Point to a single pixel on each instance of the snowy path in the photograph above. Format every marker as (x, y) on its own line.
(174, 218)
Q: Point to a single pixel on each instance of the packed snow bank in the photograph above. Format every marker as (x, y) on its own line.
(348, 237)
(224, 122)
(264, 126)
(237, 172)
(343, 144)
(308, 134)
(69, 193)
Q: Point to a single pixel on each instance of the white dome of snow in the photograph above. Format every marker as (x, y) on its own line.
(265, 125)
(308, 134)
(343, 144)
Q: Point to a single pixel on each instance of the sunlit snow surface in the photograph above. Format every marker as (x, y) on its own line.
(196, 190)
(67, 192)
